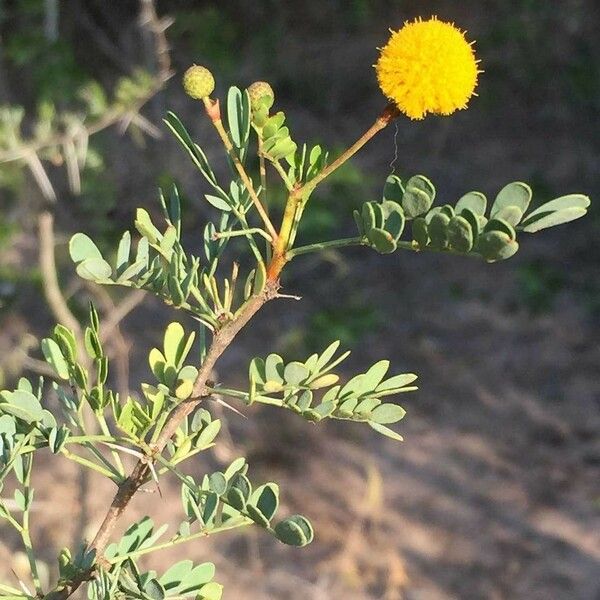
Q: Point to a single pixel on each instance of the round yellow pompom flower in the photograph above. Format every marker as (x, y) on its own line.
(427, 67)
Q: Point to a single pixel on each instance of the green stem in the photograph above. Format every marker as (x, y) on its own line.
(10, 518)
(263, 172)
(276, 164)
(163, 461)
(284, 176)
(105, 430)
(416, 248)
(244, 395)
(237, 232)
(82, 439)
(113, 476)
(109, 466)
(19, 448)
(241, 217)
(243, 522)
(298, 197)
(11, 590)
(342, 243)
(30, 554)
(25, 536)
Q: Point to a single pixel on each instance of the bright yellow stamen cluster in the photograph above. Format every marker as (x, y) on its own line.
(427, 67)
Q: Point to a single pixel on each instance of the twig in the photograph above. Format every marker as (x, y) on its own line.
(139, 474)
(39, 173)
(120, 311)
(383, 120)
(299, 196)
(52, 292)
(212, 109)
(110, 118)
(156, 26)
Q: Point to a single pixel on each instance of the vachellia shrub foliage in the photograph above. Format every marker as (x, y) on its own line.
(426, 67)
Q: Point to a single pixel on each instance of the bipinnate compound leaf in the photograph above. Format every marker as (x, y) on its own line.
(474, 221)
(123, 252)
(497, 224)
(420, 232)
(218, 202)
(143, 223)
(393, 218)
(438, 230)
(510, 214)
(255, 514)
(239, 490)
(184, 578)
(568, 201)
(554, 218)
(211, 591)
(295, 372)
(218, 483)
(175, 575)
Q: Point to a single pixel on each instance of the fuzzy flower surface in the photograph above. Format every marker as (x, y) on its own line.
(427, 67)
(198, 82)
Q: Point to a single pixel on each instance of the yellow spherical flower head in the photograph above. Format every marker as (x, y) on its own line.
(427, 67)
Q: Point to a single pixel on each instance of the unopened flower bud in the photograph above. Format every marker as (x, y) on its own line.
(261, 95)
(198, 82)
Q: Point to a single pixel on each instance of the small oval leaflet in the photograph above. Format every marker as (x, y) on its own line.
(387, 413)
(294, 531)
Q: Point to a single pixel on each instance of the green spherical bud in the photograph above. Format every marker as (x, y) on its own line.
(261, 95)
(198, 82)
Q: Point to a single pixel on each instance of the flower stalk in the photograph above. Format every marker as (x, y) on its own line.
(214, 113)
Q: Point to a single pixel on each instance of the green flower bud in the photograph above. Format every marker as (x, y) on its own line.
(261, 95)
(198, 82)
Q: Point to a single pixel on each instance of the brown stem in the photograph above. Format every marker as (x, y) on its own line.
(389, 113)
(138, 476)
(299, 196)
(120, 311)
